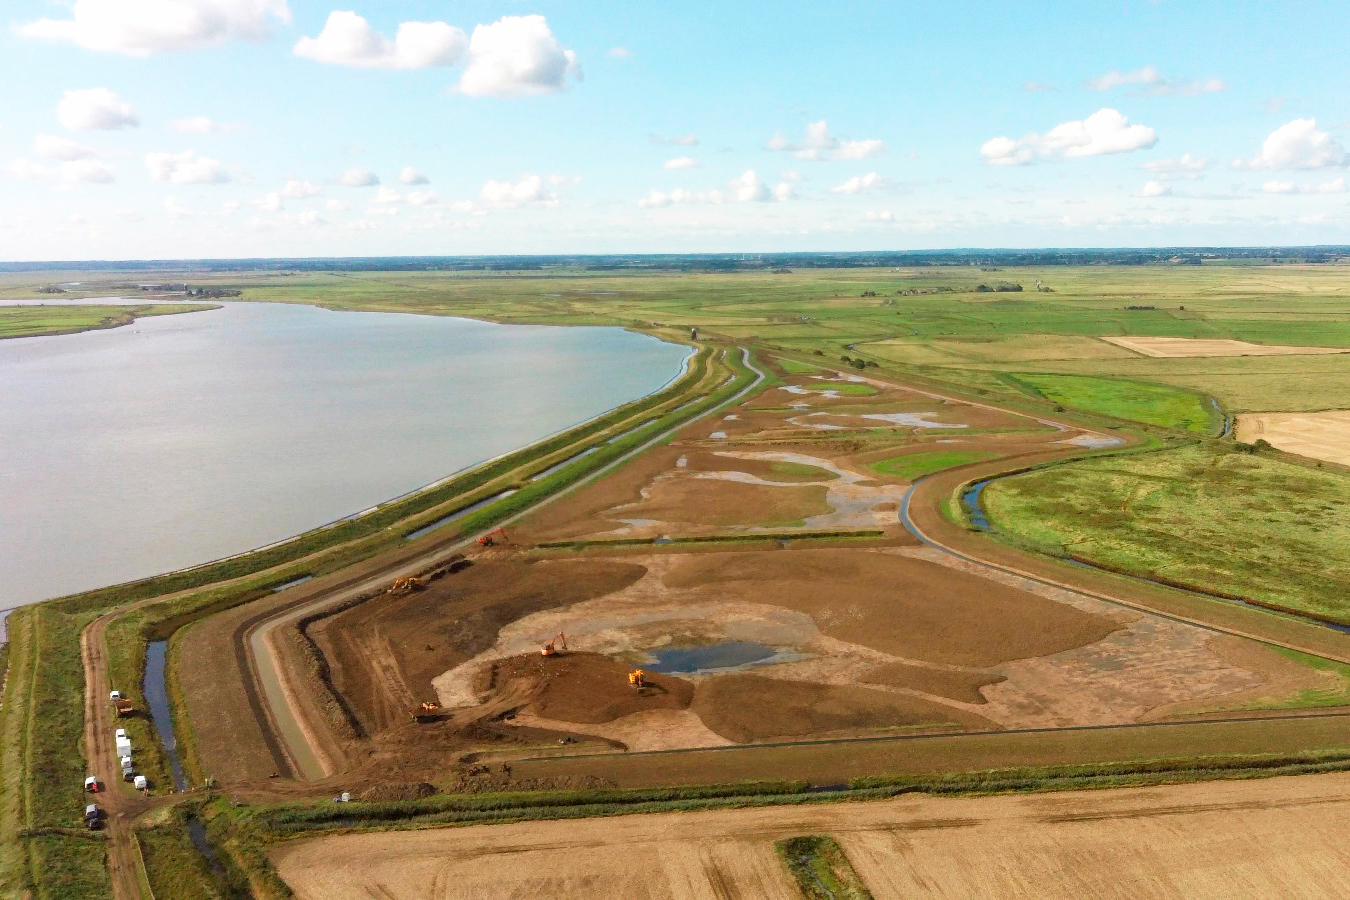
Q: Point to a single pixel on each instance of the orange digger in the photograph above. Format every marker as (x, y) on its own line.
(637, 678)
(555, 646)
(428, 712)
(492, 538)
(404, 586)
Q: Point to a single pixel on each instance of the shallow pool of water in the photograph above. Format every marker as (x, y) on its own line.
(693, 660)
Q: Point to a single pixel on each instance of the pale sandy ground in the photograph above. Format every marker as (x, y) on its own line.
(1280, 837)
(1320, 435)
(1171, 347)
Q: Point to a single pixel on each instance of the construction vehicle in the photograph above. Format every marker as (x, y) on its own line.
(124, 708)
(637, 678)
(404, 586)
(555, 646)
(492, 537)
(427, 712)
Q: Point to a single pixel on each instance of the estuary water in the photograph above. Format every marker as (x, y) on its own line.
(181, 439)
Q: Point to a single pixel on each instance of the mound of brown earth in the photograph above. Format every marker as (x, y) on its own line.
(749, 708)
(718, 502)
(388, 793)
(899, 605)
(384, 653)
(585, 688)
(962, 686)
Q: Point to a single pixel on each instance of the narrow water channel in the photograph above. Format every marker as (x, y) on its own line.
(156, 690)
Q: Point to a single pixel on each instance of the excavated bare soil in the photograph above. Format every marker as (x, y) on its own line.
(749, 708)
(456, 617)
(585, 688)
(954, 685)
(903, 606)
(719, 502)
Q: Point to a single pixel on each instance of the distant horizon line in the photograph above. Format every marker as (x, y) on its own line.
(1247, 250)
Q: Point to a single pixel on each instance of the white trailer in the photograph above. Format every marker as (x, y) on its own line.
(123, 746)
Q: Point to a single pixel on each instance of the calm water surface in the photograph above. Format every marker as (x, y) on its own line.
(180, 439)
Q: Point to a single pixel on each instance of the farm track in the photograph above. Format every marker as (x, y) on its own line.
(122, 808)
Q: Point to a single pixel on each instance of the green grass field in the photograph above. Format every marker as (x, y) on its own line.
(36, 321)
(916, 465)
(843, 390)
(1246, 525)
(1152, 404)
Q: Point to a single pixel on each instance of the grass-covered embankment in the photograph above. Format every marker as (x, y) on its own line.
(41, 321)
(1249, 526)
(1136, 401)
(44, 847)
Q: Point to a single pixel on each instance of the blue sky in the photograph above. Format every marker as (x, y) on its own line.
(224, 128)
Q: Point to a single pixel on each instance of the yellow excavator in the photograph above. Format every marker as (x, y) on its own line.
(637, 678)
(555, 646)
(427, 712)
(404, 586)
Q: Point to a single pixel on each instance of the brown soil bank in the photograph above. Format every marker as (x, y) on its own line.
(899, 605)
(749, 708)
(586, 688)
(432, 630)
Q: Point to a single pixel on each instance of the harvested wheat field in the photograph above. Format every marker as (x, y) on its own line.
(1175, 347)
(1280, 837)
(1320, 435)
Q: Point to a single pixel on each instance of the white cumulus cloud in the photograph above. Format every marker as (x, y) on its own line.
(144, 27)
(516, 56)
(185, 168)
(60, 149)
(1298, 145)
(680, 162)
(819, 144)
(1187, 166)
(530, 190)
(409, 175)
(1154, 188)
(96, 109)
(348, 40)
(1105, 131)
(386, 196)
(296, 189)
(683, 140)
(199, 125)
(358, 178)
(859, 183)
(71, 171)
(1334, 186)
(1150, 81)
